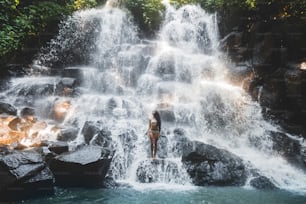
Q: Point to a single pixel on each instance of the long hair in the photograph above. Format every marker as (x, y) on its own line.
(157, 117)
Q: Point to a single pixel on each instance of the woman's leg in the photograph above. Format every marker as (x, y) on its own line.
(156, 136)
(154, 148)
(152, 144)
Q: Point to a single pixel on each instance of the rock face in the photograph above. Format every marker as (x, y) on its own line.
(86, 166)
(272, 52)
(208, 165)
(24, 173)
(289, 148)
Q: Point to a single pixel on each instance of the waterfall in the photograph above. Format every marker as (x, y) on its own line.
(181, 72)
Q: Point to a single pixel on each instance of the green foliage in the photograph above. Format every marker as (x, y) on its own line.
(81, 4)
(147, 13)
(23, 20)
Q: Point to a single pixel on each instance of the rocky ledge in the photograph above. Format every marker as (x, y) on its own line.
(37, 171)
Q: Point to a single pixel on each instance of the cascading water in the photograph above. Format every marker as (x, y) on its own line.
(182, 74)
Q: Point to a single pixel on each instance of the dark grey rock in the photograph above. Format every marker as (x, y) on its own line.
(68, 134)
(59, 147)
(7, 109)
(103, 138)
(162, 147)
(208, 165)
(89, 130)
(24, 174)
(27, 111)
(262, 183)
(84, 167)
(180, 143)
(167, 114)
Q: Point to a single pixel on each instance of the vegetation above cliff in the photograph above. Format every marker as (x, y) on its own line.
(24, 20)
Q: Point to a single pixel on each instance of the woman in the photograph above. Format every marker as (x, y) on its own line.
(154, 132)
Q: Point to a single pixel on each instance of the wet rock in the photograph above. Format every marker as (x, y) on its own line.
(262, 183)
(68, 134)
(66, 86)
(103, 138)
(84, 167)
(24, 174)
(289, 148)
(6, 108)
(239, 73)
(166, 67)
(162, 147)
(111, 105)
(167, 114)
(59, 147)
(158, 170)
(27, 111)
(285, 145)
(36, 90)
(89, 130)
(180, 143)
(232, 44)
(72, 72)
(40, 185)
(208, 165)
(110, 183)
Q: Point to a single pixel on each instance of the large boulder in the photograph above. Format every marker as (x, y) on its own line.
(208, 165)
(24, 174)
(84, 167)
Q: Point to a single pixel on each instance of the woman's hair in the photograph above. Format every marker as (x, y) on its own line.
(157, 117)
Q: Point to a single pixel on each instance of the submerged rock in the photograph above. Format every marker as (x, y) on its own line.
(84, 167)
(208, 165)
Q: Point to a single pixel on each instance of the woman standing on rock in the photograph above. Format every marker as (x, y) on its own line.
(154, 132)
